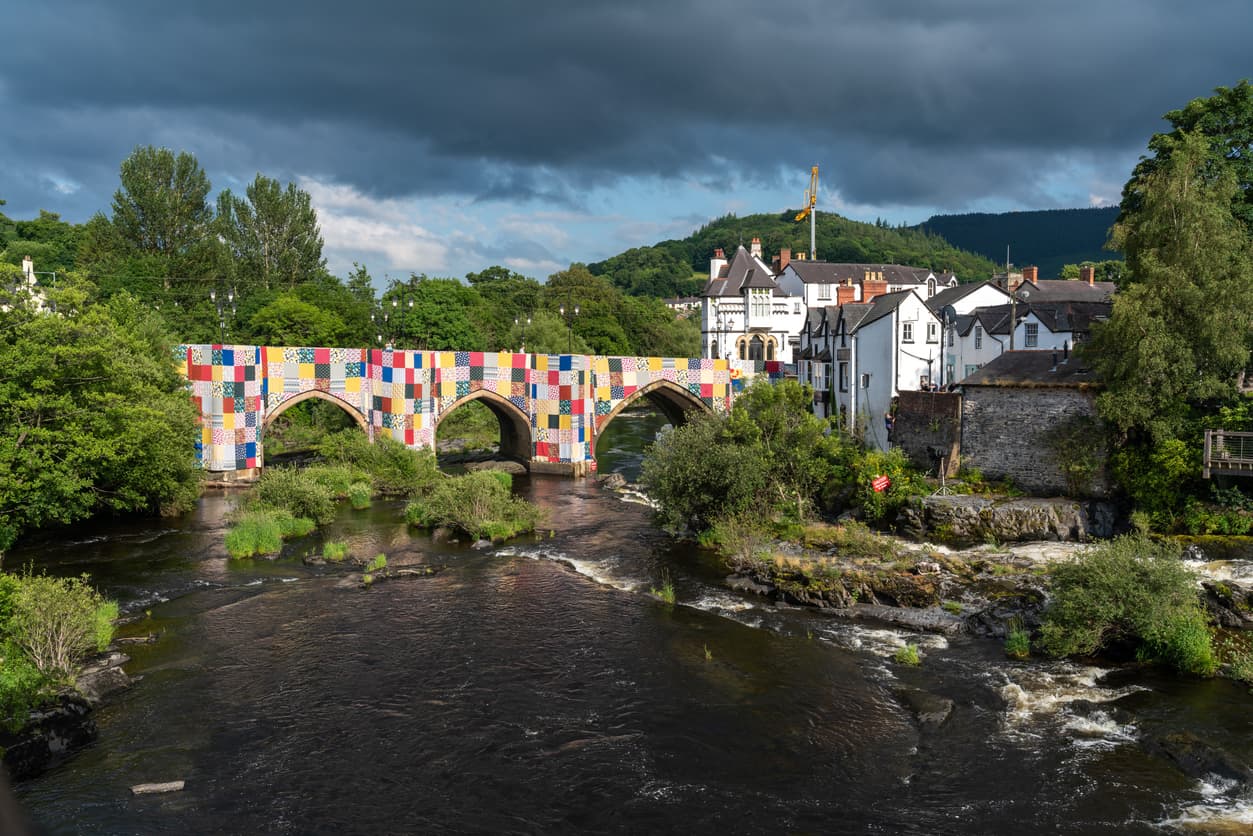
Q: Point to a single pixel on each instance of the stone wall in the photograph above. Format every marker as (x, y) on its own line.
(928, 425)
(1007, 434)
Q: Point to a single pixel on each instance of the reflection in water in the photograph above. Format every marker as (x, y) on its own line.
(536, 688)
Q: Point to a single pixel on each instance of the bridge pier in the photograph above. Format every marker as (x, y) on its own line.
(551, 408)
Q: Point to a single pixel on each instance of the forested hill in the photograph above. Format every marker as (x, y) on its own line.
(1048, 238)
(680, 268)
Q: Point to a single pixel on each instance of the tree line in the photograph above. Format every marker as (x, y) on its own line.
(249, 268)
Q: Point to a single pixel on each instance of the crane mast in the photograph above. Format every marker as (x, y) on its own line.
(811, 201)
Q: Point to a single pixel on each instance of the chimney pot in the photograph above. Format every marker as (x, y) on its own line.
(785, 258)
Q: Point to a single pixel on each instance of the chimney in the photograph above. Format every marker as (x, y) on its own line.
(871, 288)
(785, 258)
(1088, 274)
(717, 263)
(845, 293)
(1030, 274)
(754, 249)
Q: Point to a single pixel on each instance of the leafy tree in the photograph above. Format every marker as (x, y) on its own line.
(598, 302)
(56, 622)
(1180, 334)
(1225, 119)
(162, 209)
(439, 314)
(289, 320)
(508, 296)
(546, 333)
(272, 233)
(93, 415)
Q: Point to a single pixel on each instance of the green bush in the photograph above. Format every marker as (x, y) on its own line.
(105, 616)
(57, 621)
(478, 504)
(393, 468)
(296, 491)
(907, 655)
(1133, 591)
(335, 552)
(880, 507)
(666, 591)
(1017, 643)
(336, 478)
(22, 687)
(255, 533)
(360, 494)
(378, 564)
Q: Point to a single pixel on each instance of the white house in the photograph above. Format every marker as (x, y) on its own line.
(744, 312)
(859, 355)
(966, 346)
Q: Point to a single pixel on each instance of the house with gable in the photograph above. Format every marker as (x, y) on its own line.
(966, 345)
(822, 283)
(745, 314)
(859, 355)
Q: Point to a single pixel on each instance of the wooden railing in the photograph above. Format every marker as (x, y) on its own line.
(1228, 454)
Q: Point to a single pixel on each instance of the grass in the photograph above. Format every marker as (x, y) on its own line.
(666, 592)
(907, 655)
(1017, 640)
(255, 533)
(479, 504)
(359, 495)
(709, 656)
(952, 607)
(335, 552)
(378, 564)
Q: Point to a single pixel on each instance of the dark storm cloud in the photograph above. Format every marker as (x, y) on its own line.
(904, 103)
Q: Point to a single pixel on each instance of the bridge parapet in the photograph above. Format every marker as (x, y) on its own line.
(551, 407)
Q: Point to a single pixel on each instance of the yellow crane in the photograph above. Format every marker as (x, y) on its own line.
(811, 202)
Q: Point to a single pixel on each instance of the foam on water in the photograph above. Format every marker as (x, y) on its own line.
(880, 641)
(603, 572)
(1038, 698)
(1224, 806)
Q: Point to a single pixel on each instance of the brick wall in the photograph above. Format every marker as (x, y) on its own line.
(928, 423)
(1005, 434)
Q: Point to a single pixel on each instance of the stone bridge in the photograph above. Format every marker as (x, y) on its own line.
(551, 407)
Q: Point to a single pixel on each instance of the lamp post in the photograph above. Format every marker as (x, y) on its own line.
(523, 323)
(222, 306)
(569, 326)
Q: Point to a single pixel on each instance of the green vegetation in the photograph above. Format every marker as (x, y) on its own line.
(1180, 334)
(1017, 640)
(666, 591)
(390, 467)
(378, 564)
(304, 426)
(335, 552)
(255, 533)
(93, 415)
(952, 607)
(709, 656)
(1047, 238)
(360, 495)
(770, 461)
(907, 655)
(480, 504)
(473, 424)
(1130, 592)
(47, 626)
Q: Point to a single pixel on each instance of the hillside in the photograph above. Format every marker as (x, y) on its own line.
(679, 268)
(1048, 238)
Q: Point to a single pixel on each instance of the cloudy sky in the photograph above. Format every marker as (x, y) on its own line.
(442, 137)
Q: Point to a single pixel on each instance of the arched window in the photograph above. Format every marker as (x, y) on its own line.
(756, 349)
(770, 348)
(743, 349)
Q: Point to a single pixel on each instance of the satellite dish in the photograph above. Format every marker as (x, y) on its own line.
(948, 314)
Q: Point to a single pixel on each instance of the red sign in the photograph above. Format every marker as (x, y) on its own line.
(880, 484)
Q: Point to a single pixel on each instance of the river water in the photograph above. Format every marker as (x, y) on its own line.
(537, 688)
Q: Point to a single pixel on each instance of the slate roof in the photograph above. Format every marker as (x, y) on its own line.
(881, 306)
(830, 272)
(740, 272)
(949, 295)
(1064, 290)
(1033, 369)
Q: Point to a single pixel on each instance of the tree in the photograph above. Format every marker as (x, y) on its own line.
(1225, 119)
(93, 415)
(272, 233)
(598, 302)
(289, 320)
(1180, 334)
(439, 314)
(162, 209)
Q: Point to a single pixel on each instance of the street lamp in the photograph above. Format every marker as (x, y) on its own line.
(221, 307)
(569, 327)
(516, 323)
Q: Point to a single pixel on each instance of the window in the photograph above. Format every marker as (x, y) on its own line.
(907, 332)
(978, 337)
(824, 293)
(971, 370)
(770, 348)
(796, 307)
(949, 372)
(1033, 335)
(932, 331)
(743, 349)
(820, 377)
(952, 337)
(844, 377)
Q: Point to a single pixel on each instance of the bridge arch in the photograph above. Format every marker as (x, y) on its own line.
(515, 425)
(351, 409)
(672, 400)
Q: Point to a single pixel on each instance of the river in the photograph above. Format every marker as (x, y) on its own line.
(538, 688)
